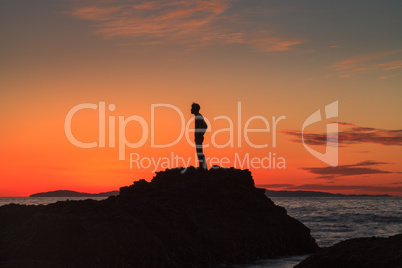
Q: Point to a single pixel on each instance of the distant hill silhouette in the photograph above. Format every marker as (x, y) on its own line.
(68, 193)
(271, 193)
(193, 219)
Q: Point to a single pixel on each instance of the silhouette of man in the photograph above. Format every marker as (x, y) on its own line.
(199, 131)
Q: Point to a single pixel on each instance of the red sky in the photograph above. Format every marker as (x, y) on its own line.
(275, 58)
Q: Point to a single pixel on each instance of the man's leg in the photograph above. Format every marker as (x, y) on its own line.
(201, 157)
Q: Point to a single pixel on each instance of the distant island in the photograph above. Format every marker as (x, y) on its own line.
(271, 193)
(67, 193)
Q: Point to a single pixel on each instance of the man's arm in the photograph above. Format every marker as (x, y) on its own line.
(200, 125)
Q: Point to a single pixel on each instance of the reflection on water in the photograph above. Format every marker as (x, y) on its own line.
(275, 263)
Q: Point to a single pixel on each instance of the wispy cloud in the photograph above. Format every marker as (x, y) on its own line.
(362, 168)
(389, 76)
(334, 187)
(352, 134)
(187, 23)
(275, 44)
(383, 61)
(356, 62)
(274, 185)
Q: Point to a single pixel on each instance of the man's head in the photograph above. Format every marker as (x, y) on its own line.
(195, 108)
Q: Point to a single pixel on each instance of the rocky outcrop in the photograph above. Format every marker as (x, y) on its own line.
(359, 252)
(180, 219)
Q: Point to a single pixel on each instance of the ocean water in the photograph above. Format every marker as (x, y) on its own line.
(331, 219)
(334, 219)
(40, 200)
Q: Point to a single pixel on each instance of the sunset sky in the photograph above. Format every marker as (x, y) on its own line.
(271, 58)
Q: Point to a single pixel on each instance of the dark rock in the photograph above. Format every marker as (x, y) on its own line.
(182, 218)
(359, 252)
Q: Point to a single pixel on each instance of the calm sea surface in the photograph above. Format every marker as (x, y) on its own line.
(40, 200)
(331, 219)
